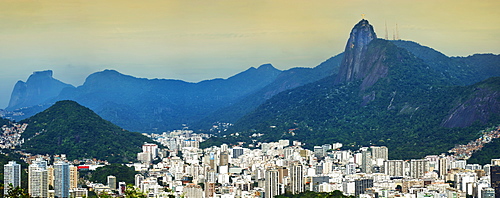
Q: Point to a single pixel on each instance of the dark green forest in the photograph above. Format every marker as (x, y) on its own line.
(71, 129)
(488, 152)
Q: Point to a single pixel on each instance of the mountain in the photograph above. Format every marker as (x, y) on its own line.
(458, 70)
(69, 128)
(287, 79)
(37, 90)
(159, 104)
(354, 66)
(383, 95)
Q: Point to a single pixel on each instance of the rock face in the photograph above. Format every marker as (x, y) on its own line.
(352, 67)
(38, 89)
(481, 105)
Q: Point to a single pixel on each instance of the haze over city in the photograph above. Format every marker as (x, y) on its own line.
(198, 40)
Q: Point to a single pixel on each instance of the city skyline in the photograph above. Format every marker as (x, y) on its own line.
(195, 41)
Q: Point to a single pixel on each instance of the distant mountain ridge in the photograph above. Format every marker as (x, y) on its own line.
(40, 88)
(155, 105)
(159, 104)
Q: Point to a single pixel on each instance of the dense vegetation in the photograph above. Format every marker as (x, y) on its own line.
(311, 194)
(403, 111)
(458, 70)
(71, 129)
(488, 152)
(4, 121)
(121, 172)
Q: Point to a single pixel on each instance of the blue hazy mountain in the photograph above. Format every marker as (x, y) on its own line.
(287, 80)
(140, 104)
(39, 89)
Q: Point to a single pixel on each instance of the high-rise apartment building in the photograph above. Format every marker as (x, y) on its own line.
(111, 182)
(418, 167)
(366, 162)
(38, 184)
(394, 168)
(296, 178)
(237, 151)
(380, 152)
(73, 177)
(224, 159)
(361, 185)
(61, 179)
(11, 175)
(271, 187)
(495, 179)
(444, 163)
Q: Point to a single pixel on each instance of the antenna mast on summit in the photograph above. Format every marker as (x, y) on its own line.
(386, 33)
(397, 32)
(393, 34)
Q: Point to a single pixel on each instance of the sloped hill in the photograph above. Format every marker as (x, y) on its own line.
(458, 70)
(288, 79)
(71, 129)
(403, 109)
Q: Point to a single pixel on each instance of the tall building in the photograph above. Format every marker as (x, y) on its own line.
(12, 175)
(271, 187)
(61, 179)
(495, 179)
(444, 163)
(394, 168)
(237, 151)
(73, 177)
(350, 168)
(111, 182)
(151, 149)
(418, 167)
(319, 151)
(380, 152)
(464, 181)
(138, 178)
(366, 162)
(38, 184)
(296, 178)
(224, 159)
(361, 185)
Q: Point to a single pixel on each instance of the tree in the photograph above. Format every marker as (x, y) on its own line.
(132, 192)
(17, 192)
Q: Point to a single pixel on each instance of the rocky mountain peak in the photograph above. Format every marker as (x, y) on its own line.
(351, 67)
(39, 87)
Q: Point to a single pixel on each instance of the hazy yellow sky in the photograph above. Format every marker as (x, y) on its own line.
(195, 40)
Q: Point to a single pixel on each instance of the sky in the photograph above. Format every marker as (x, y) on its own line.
(195, 40)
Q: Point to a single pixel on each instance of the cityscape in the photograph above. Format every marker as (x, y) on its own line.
(249, 99)
(175, 166)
